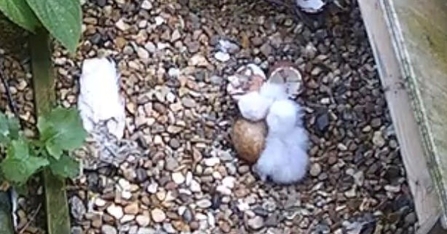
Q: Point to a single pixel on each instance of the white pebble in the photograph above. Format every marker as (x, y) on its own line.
(158, 215)
(127, 218)
(146, 5)
(195, 186)
(126, 195)
(123, 184)
(121, 25)
(99, 202)
(223, 190)
(222, 56)
(159, 20)
(115, 211)
(229, 182)
(152, 188)
(142, 53)
(178, 177)
(143, 220)
(211, 162)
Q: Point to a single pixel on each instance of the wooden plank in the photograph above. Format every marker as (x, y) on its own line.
(58, 219)
(414, 152)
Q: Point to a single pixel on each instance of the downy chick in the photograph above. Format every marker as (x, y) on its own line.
(284, 159)
(254, 105)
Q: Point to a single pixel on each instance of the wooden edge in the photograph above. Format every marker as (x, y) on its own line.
(407, 130)
(56, 204)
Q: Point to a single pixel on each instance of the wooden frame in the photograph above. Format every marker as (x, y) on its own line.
(398, 79)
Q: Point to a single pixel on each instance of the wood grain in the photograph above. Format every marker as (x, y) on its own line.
(405, 112)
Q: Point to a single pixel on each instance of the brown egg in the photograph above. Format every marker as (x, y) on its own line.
(248, 139)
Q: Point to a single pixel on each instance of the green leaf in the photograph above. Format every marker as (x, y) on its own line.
(61, 130)
(62, 18)
(20, 13)
(9, 129)
(19, 164)
(65, 167)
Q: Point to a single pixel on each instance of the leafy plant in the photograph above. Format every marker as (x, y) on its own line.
(60, 132)
(62, 18)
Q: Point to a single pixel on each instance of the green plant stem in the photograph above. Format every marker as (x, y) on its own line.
(58, 220)
(6, 226)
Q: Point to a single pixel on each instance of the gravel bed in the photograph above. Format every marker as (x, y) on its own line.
(188, 179)
(30, 208)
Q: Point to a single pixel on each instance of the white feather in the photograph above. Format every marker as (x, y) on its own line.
(99, 98)
(284, 159)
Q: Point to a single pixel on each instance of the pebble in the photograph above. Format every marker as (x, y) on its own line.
(115, 211)
(142, 53)
(315, 169)
(107, 229)
(222, 56)
(147, 5)
(178, 178)
(143, 220)
(158, 215)
(211, 162)
(132, 208)
(77, 208)
(204, 203)
(256, 223)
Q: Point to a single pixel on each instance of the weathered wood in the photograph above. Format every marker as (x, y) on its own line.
(58, 220)
(407, 106)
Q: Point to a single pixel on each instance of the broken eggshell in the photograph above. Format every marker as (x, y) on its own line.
(286, 72)
(248, 139)
(310, 6)
(247, 78)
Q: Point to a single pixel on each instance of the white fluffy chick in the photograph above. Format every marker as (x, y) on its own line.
(99, 97)
(274, 91)
(253, 106)
(284, 159)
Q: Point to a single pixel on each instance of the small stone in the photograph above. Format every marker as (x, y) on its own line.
(256, 223)
(378, 139)
(171, 164)
(99, 202)
(115, 211)
(77, 208)
(222, 56)
(188, 102)
(211, 162)
(76, 230)
(143, 220)
(121, 25)
(146, 231)
(266, 50)
(315, 169)
(107, 229)
(127, 218)
(158, 215)
(143, 53)
(147, 5)
(132, 208)
(198, 60)
(178, 178)
(204, 203)
(229, 182)
(322, 122)
(195, 186)
(175, 35)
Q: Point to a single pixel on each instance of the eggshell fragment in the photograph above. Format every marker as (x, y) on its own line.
(247, 78)
(286, 72)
